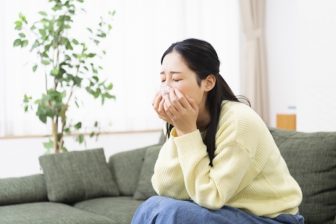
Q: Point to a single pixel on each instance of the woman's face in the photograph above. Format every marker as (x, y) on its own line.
(176, 74)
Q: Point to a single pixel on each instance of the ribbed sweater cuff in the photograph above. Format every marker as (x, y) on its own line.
(190, 145)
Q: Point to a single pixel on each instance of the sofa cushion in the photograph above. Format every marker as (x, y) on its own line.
(22, 189)
(78, 175)
(125, 167)
(120, 210)
(47, 213)
(311, 159)
(144, 188)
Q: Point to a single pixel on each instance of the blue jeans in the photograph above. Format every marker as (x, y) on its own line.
(164, 210)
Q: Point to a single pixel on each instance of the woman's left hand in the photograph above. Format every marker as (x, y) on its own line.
(182, 111)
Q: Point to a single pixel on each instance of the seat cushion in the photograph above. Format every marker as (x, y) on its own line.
(120, 210)
(23, 189)
(311, 159)
(47, 213)
(77, 176)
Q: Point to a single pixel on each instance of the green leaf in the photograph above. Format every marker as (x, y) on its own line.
(92, 134)
(95, 78)
(77, 80)
(26, 98)
(108, 96)
(35, 45)
(35, 67)
(18, 25)
(42, 13)
(48, 145)
(42, 32)
(66, 26)
(80, 138)
(75, 42)
(112, 13)
(57, 7)
(45, 62)
(109, 87)
(24, 43)
(23, 18)
(91, 55)
(22, 35)
(102, 35)
(78, 125)
(42, 118)
(68, 46)
(55, 71)
(17, 42)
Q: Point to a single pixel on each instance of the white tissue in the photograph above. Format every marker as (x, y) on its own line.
(165, 89)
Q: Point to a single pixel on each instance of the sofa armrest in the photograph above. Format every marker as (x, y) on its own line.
(25, 189)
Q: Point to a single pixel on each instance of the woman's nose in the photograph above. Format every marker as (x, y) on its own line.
(165, 88)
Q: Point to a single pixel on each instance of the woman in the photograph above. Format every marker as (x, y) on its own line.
(220, 163)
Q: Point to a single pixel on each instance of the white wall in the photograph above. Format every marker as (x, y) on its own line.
(316, 85)
(282, 54)
(301, 45)
(19, 157)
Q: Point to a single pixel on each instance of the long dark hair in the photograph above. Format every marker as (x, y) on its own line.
(202, 58)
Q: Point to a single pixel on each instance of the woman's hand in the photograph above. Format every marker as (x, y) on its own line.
(181, 110)
(158, 107)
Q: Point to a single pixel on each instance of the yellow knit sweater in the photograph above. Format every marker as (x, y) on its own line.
(248, 171)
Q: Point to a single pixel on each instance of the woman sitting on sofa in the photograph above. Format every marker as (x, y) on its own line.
(220, 163)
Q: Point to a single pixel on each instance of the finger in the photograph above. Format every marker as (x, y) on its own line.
(182, 99)
(157, 101)
(168, 106)
(160, 109)
(162, 113)
(192, 103)
(168, 112)
(175, 101)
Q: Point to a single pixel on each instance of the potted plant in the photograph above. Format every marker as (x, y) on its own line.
(67, 64)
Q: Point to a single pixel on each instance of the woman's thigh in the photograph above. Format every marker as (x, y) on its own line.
(159, 210)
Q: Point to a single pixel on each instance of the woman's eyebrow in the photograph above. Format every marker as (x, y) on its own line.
(171, 72)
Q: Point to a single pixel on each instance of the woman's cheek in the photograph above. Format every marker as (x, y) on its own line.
(182, 90)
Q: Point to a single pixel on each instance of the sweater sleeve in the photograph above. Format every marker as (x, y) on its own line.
(211, 187)
(168, 179)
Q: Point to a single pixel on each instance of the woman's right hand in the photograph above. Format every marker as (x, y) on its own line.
(158, 107)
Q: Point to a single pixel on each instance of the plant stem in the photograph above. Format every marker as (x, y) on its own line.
(54, 129)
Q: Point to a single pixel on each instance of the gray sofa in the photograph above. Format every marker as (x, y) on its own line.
(311, 158)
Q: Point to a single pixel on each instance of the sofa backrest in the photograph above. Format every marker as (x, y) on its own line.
(26, 189)
(311, 159)
(125, 168)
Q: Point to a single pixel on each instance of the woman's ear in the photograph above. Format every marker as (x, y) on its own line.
(209, 82)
